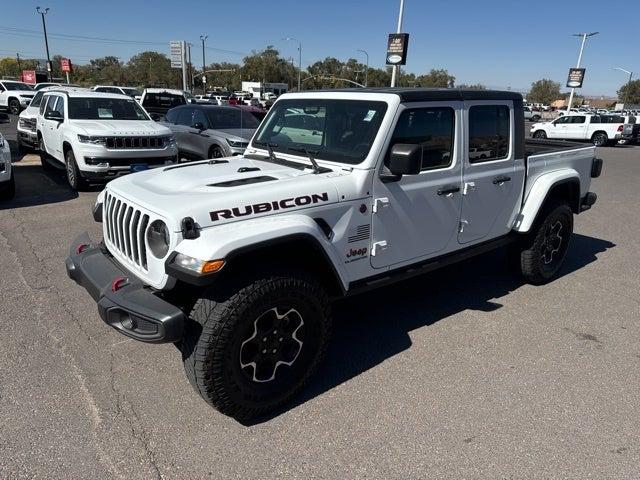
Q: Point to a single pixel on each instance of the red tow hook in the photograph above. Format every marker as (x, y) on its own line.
(118, 283)
(82, 247)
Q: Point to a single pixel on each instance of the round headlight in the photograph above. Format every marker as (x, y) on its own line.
(158, 238)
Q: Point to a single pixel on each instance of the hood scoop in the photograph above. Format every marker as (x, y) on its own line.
(243, 181)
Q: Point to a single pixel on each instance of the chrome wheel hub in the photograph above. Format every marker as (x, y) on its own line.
(552, 242)
(274, 342)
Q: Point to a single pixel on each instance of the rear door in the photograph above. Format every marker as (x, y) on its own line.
(491, 186)
(417, 216)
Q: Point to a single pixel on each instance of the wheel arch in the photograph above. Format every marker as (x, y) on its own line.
(66, 146)
(561, 185)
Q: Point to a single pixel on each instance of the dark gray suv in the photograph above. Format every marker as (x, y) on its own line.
(210, 131)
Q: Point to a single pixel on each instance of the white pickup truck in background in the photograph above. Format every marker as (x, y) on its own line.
(601, 130)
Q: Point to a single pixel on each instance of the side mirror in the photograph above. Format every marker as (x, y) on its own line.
(405, 159)
(53, 115)
(198, 126)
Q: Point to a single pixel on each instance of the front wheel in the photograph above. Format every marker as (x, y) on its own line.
(600, 139)
(250, 348)
(535, 118)
(541, 134)
(543, 251)
(14, 107)
(76, 182)
(216, 152)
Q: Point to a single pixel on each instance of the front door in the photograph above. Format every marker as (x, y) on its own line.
(492, 184)
(49, 132)
(558, 128)
(417, 216)
(576, 127)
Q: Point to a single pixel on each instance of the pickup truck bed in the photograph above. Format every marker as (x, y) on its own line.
(534, 146)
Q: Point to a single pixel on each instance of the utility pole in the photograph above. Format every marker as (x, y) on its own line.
(204, 78)
(584, 39)
(366, 72)
(19, 64)
(299, 59)
(394, 72)
(189, 66)
(628, 81)
(46, 41)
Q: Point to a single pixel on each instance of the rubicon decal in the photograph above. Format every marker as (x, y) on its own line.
(269, 206)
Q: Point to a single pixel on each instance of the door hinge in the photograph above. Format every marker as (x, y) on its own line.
(461, 225)
(379, 203)
(377, 247)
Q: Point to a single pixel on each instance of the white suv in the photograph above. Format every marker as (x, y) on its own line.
(99, 136)
(14, 96)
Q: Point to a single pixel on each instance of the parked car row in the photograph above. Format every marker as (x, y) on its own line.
(601, 130)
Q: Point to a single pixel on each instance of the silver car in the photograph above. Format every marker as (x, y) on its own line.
(210, 131)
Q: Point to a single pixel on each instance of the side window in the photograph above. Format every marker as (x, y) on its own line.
(433, 128)
(489, 127)
(199, 117)
(43, 104)
(37, 100)
(577, 119)
(100, 89)
(59, 107)
(561, 120)
(172, 116)
(51, 103)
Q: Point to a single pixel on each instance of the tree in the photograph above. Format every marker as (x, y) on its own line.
(436, 78)
(544, 91)
(153, 69)
(475, 86)
(629, 93)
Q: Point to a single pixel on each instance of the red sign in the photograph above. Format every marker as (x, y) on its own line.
(29, 76)
(65, 64)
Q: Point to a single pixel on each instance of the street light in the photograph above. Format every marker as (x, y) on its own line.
(299, 58)
(43, 12)
(584, 39)
(203, 37)
(628, 82)
(366, 72)
(395, 68)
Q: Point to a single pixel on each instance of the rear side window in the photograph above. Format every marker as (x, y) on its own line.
(489, 127)
(163, 100)
(433, 128)
(577, 119)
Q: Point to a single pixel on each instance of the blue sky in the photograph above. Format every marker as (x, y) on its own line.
(498, 43)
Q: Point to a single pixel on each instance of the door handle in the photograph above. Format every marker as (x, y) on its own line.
(449, 189)
(499, 180)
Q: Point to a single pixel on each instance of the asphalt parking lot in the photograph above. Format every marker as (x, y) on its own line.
(464, 373)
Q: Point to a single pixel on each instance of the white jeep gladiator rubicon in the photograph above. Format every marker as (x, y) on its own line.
(99, 136)
(235, 260)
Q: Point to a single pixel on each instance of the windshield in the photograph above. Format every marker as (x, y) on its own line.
(105, 109)
(221, 118)
(132, 92)
(17, 86)
(37, 99)
(335, 130)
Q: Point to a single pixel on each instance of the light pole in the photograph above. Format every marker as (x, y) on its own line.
(394, 71)
(628, 81)
(299, 58)
(203, 37)
(366, 72)
(584, 39)
(43, 12)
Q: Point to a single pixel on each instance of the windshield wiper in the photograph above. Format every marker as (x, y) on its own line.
(270, 146)
(309, 154)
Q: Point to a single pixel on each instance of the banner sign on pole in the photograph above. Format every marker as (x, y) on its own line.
(397, 48)
(576, 77)
(175, 50)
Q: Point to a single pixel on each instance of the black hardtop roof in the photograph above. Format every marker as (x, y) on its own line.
(431, 94)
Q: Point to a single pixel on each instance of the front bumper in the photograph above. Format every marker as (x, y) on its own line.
(124, 302)
(27, 137)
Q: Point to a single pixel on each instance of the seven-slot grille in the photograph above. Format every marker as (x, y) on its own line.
(125, 227)
(118, 143)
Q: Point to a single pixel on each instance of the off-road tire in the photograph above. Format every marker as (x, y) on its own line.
(223, 320)
(8, 190)
(543, 240)
(74, 177)
(541, 134)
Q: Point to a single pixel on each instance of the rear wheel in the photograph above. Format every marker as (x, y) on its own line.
(74, 177)
(543, 252)
(541, 134)
(599, 139)
(249, 348)
(535, 118)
